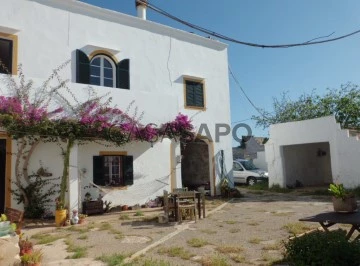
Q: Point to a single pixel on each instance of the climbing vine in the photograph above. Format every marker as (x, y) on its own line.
(52, 113)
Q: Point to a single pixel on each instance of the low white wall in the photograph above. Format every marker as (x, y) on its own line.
(344, 150)
(260, 161)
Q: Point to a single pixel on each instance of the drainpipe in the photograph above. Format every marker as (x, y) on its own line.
(141, 8)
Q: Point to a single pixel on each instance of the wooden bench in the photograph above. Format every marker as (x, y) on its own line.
(15, 216)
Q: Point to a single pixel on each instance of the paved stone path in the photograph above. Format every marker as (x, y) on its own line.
(244, 231)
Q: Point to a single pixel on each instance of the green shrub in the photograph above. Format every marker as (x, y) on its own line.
(39, 194)
(260, 186)
(276, 188)
(323, 248)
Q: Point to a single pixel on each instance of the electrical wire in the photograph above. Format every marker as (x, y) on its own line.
(245, 94)
(247, 119)
(226, 38)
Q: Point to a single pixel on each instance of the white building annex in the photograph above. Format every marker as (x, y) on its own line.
(132, 59)
(314, 152)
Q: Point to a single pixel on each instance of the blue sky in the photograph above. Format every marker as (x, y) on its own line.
(266, 73)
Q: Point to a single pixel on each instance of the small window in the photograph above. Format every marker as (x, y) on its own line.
(194, 94)
(6, 54)
(102, 71)
(113, 171)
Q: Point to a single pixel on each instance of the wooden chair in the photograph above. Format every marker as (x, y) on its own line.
(181, 189)
(186, 202)
(169, 205)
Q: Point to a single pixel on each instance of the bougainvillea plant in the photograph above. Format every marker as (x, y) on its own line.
(53, 113)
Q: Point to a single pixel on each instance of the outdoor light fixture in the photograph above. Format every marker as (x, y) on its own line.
(321, 153)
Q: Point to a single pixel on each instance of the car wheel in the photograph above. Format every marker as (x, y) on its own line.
(251, 181)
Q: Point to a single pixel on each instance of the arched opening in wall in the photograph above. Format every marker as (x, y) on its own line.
(195, 165)
(307, 164)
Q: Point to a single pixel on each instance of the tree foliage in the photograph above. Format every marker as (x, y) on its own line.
(343, 103)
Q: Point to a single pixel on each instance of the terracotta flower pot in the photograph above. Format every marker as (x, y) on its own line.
(344, 205)
(26, 251)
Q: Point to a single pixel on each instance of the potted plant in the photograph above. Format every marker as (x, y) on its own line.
(26, 246)
(60, 213)
(82, 218)
(343, 199)
(87, 196)
(32, 259)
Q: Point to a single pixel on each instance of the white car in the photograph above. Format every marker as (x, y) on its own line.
(245, 172)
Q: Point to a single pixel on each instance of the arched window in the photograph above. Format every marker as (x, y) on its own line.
(102, 71)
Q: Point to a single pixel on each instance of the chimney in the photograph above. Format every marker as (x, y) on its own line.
(141, 8)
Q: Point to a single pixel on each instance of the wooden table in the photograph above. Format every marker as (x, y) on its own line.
(200, 202)
(327, 219)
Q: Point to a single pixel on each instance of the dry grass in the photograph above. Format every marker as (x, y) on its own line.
(179, 252)
(283, 213)
(208, 231)
(105, 226)
(197, 242)
(296, 228)
(268, 258)
(238, 258)
(77, 228)
(234, 230)
(253, 223)
(47, 238)
(254, 240)
(214, 260)
(83, 237)
(275, 246)
(231, 222)
(229, 249)
(79, 252)
(124, 217)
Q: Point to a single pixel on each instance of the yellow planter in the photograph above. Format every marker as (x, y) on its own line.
(60, 217)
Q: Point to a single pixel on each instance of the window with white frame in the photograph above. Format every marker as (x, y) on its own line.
(113, 170)
(102, 71)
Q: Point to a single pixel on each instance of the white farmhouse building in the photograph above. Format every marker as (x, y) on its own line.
(164, 70)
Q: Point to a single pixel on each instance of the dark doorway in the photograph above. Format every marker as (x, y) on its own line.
(195, 165)
(309, 163)
(2, 174)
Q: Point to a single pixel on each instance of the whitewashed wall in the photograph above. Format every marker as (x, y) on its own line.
(260, 161)
(49, 32)
(48, 155)
(152, 172)
(344, 149)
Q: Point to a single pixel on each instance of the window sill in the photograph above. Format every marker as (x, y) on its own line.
(113, 188)
(195, 108)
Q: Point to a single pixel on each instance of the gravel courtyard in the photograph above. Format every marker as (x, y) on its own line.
(245, 231)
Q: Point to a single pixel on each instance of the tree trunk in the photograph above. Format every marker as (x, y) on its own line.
(65, 176)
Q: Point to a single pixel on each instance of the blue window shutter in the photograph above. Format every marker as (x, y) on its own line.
(98, 170)
(128, 170)
(199, 95)
(194, 94)
(123, 74)
(82, 68)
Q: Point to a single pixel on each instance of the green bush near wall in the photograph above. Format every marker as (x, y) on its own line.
(322, 248)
